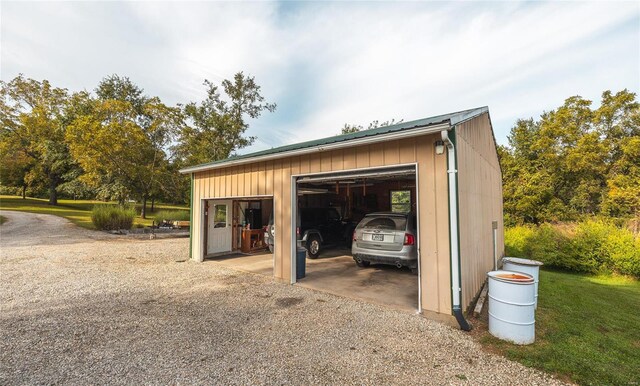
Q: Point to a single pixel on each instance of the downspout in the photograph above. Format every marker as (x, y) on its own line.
(453, 231)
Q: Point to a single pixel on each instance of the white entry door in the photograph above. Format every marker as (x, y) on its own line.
(219, 227)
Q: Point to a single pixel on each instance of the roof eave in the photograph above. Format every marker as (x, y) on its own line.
(414, 132)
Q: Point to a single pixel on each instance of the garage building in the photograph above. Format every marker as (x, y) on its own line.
(443, 168)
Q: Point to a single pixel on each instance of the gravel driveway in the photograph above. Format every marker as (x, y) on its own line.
(26, 229)
(98, 310)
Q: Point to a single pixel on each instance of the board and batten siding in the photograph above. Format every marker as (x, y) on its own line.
(480, 203)
(273, 178)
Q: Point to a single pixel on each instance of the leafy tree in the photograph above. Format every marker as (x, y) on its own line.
(120, 140)
(15, 167)
(175, 187)
(216, 126)
(573, 161)
(623, 195)
(351, 128)
(118, 143)
(32, 134)
(573, 155)
(617, 118)
(121, 88)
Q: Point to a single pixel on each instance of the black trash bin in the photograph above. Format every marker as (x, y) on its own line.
(301, 263)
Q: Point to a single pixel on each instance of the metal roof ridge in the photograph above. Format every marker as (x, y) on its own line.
(453, 118)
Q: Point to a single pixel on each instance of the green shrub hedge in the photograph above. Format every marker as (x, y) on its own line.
(592, 246)
(172, 215)
(112, 217)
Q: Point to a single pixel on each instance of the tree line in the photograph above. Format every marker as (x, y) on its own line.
(573, 162)
(117, 143)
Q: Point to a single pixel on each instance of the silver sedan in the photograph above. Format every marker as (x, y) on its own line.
(386, 238)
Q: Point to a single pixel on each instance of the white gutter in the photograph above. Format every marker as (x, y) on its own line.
(453, 231)
(338, 145)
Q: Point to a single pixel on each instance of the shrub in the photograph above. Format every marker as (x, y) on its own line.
(518, 240)
(590, 246)
(172, 215)
(10, 190)
(621, 250)
(551, 246)
(112, 217)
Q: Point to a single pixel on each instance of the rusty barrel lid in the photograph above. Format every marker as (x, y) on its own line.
(511, 277)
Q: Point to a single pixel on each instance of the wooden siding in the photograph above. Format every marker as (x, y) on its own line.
(273, 178)
(480, 202)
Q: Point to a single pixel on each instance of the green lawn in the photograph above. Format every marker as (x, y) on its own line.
(77, 211)
(587, 330)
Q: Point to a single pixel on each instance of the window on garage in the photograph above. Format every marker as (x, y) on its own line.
(400, 201)
(220, 216)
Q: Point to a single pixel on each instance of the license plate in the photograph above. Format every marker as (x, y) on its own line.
(377, 237)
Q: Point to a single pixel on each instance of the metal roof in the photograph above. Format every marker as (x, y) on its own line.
(452, 119)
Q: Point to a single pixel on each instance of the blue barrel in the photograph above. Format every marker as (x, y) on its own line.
(301, 263)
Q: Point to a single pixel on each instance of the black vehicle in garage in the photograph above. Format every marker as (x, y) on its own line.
(322, 227)
(318, 228)
(386, 238)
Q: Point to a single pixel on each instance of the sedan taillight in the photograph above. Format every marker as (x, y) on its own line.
(354, 236)
(409, 239)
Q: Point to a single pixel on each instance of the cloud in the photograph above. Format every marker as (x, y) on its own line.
(327, 64)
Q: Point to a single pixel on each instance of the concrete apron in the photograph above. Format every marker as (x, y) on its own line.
(335, 272)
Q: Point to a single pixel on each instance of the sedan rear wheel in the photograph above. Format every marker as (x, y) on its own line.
(363, 263)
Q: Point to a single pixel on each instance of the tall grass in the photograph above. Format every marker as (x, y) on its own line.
(112, 217)
(592, 246)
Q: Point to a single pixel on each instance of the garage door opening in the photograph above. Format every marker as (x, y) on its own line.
(234, 232)
(371, 213)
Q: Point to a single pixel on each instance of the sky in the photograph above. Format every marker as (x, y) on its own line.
(330, 63)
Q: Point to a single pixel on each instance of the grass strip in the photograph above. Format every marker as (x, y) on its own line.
(587, 329)
(76, 211)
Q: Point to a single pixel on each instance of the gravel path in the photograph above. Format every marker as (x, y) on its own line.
(24, 229)
(124, 311)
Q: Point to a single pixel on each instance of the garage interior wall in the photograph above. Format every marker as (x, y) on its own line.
(480, 203)
(273, 178)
